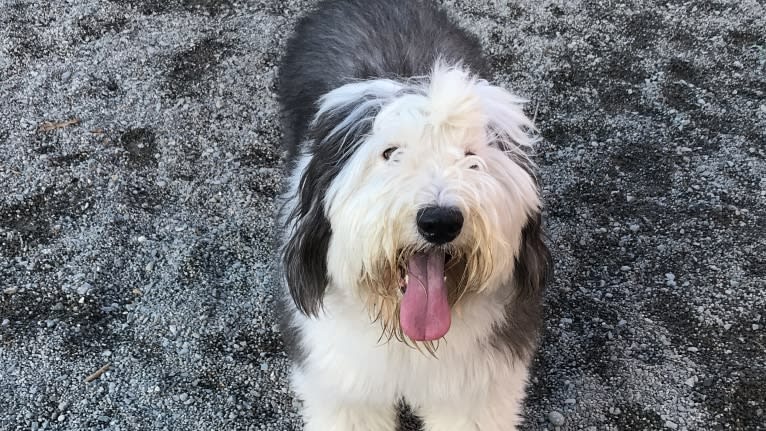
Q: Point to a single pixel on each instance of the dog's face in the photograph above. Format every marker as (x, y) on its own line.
(413, 195)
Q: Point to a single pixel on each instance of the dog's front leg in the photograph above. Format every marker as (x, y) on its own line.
(498, 410)
(324, 415)
(487, 418)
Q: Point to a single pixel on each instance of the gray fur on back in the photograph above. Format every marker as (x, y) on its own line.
(344, 40)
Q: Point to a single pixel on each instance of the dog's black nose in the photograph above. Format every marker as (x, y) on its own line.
(439, 225)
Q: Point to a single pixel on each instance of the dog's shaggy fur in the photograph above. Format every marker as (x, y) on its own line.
(412, 251)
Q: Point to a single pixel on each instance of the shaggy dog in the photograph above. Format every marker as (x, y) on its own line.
(412, 252)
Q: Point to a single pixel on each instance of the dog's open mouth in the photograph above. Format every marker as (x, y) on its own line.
(404, 277)
(424, 312)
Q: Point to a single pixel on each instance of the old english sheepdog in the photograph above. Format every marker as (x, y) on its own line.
(412, 250)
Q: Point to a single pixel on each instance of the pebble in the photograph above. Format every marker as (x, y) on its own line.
(6, 322)
(11, 290)
(84, 289)
(66, 75)
(692, 349)
(63, 405)
(670, 424)
(634, 228)
(58, 307)
(570, 401)
(556, 418)
(670, 277)
(183, 397)
(625, 268)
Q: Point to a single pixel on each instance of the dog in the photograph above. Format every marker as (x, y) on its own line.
(412, 252)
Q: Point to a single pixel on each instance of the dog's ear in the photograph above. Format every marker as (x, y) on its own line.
(344, 119)
(533, 265)
(304, 258)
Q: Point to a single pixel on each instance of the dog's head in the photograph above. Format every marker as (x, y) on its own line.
(410, 196)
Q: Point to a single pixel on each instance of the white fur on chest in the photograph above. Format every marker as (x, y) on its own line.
(347, 359)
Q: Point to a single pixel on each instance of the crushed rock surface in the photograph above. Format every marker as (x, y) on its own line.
(139, 169)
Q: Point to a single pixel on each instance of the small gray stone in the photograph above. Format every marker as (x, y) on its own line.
(58, 307)
(84, 289)
(671, 425)
(570, 401)
(556, 418)
(66, 76)
(63, 405)
(183, 397)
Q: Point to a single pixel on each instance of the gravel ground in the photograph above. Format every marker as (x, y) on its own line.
(139, 166)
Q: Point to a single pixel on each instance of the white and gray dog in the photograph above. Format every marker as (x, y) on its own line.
(412, 252)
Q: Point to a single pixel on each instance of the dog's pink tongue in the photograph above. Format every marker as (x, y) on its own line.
(424, 311)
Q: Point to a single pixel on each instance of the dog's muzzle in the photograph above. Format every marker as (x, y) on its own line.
(424, 308)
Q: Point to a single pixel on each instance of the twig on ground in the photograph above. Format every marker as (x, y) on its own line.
(97, 373)
(47, 126)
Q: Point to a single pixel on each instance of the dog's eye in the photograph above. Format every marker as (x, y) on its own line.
(469, 154)
(389, 151)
